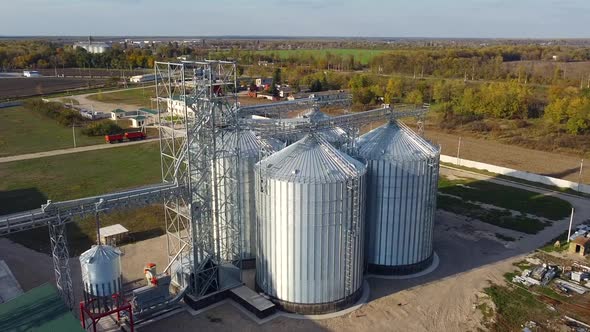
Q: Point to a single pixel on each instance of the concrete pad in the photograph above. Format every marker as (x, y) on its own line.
(9, 287)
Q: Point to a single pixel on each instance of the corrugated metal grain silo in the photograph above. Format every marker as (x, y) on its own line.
(101, 271)
(251, 148)
(310, 208)
(402, 181)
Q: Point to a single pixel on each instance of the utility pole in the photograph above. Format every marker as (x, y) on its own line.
(458, 150)
(74, 132)
(580, 175)
(569, 232)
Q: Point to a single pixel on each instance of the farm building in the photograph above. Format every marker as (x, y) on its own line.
(580, 246)
(138, 121)
(285, 92)
(263, 82)
(117, 114)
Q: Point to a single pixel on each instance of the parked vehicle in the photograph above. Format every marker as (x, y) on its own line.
(134, 136)
(114, 138)
(131, 136)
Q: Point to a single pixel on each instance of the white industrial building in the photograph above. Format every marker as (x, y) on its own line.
(93, 47)
(142, 78)
(176, 107)
(138, 121)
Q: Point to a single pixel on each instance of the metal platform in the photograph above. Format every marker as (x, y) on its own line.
(254, 302)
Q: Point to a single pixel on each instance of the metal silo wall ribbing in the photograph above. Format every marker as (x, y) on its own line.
(302, 233)
(401, 201)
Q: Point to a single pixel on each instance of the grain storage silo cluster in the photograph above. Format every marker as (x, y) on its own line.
(309, 201)
(402, 179)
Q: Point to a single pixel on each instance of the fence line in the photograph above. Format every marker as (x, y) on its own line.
(547, 180)
(10, 104)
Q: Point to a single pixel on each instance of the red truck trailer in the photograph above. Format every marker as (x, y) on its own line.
(114, 138)
(136, 135)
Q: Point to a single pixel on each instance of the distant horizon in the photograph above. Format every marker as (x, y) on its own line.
(300, 37)
(450, 19)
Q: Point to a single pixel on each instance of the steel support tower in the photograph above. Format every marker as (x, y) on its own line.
(197, 110)
(61, 257)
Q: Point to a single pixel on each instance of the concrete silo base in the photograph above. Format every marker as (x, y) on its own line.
(407, 271)
(401, 269)
(316, 308)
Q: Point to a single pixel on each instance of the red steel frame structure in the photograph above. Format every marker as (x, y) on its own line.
(96, 316)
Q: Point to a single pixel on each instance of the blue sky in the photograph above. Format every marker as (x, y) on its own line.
(371, 18)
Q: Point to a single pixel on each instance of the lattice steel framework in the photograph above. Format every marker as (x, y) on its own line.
(60, 255)
(197, 113)
(56, 215)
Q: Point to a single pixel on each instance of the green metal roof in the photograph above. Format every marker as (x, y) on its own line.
(138, 117)
(40, 309)
(118, 110)
(147, 110)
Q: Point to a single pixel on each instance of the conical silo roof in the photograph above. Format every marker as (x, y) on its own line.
(332, 135)
(251, 144)
(99, 254)
(395, 141)
(311, 160)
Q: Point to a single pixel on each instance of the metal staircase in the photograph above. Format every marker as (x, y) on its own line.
(351, 234)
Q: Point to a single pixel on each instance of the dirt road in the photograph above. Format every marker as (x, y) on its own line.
(488, 151)
(99, 106)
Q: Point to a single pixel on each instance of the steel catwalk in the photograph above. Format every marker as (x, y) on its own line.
(402, 180)
(309, 200)
(335, 135)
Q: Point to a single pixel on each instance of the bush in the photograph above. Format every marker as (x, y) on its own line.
(452, 120)
(520, 123)
(55, 111)
(101, 128)
(478, 126)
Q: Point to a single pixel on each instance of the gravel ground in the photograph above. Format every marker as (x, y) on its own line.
(441, 301)
(470, 257)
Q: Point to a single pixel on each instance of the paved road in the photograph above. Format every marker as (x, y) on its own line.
(72, 150)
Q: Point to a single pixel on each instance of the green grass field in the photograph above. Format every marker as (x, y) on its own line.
(78, 175)
(136, 97)
(25, 131)
(505, 198)
(28, 184)
(362, 55)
